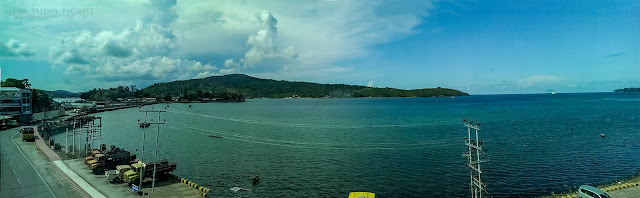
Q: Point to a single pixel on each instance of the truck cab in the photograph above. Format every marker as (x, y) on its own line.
(91, 156)
(132, 176)
(96, 161)
(118, 174)
(27, 134)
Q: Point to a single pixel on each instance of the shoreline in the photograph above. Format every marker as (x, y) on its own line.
(608, 187)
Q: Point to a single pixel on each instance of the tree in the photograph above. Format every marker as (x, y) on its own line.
(12, 82)
(40, 101)
(207, 95)
(167, 98)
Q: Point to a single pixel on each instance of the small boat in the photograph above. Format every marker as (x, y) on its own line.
(553, 92)
(214, 136)
(602, 135)
(145, 125)
(236, 189)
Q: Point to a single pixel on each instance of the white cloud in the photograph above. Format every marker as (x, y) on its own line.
(15, 48)
(262, 46)
(294, 39)
(302, 34)
(538, 80)
(141, 54)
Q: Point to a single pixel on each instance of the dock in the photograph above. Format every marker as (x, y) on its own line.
(98, 185)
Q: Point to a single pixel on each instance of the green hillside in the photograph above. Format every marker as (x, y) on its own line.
(251, 87)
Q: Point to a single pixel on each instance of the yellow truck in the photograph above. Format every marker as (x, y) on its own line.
(27, 134)
(141, 171)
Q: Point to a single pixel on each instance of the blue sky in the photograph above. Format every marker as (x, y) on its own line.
(480, 47)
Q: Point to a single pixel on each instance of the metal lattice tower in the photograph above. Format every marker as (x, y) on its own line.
(477, 186)
(87, 127)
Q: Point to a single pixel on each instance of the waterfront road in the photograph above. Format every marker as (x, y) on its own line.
(18, 176)
(24, 172)
(632, 192)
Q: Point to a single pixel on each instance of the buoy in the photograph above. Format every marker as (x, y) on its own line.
(601, 134)
(189, 105)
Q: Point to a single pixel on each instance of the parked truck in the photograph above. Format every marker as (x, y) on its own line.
(118, 174)
(141, 171)
(27, 134)
(103, 149)
(110, 160)
(91, 156)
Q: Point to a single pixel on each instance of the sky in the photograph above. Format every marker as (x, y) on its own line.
(479, 47)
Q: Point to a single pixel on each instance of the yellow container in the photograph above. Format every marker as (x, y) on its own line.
(362, 195)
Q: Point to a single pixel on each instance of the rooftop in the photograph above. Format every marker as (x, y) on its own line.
(13, 89)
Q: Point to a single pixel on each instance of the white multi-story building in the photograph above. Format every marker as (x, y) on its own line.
(15, 103)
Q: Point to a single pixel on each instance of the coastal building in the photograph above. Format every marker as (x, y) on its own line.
(15, 104)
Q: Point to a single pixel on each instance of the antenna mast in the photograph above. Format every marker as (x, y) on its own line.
(477, 185)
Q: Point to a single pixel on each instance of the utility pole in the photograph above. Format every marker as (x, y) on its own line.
(144, 124)
(144, 131)
(477, 186)
(66, 142)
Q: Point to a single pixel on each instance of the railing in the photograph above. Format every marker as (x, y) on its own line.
(10, 113)
(9, 104)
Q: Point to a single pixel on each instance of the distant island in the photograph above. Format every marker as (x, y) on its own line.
(237, 87)
(627, 90)
(62, 94)
(251, 87)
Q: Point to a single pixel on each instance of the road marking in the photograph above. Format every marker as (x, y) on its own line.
(34, 168)
(19, 180)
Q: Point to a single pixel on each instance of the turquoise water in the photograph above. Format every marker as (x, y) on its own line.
(395, 147)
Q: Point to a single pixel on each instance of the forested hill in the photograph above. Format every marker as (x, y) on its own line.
(62, 94)
(628, 90)
(251, 87)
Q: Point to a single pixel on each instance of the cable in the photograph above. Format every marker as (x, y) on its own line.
(298, 125)
(256, 140)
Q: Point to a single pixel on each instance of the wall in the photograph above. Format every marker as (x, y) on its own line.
(50, 114)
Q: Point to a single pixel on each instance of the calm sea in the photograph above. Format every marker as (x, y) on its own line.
(395, 147)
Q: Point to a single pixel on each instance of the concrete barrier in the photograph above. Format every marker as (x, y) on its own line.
(195, 186)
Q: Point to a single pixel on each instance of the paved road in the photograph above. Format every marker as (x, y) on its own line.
(632, 192)
(18, 178)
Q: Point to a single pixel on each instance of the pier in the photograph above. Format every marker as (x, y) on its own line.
(70, 160)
